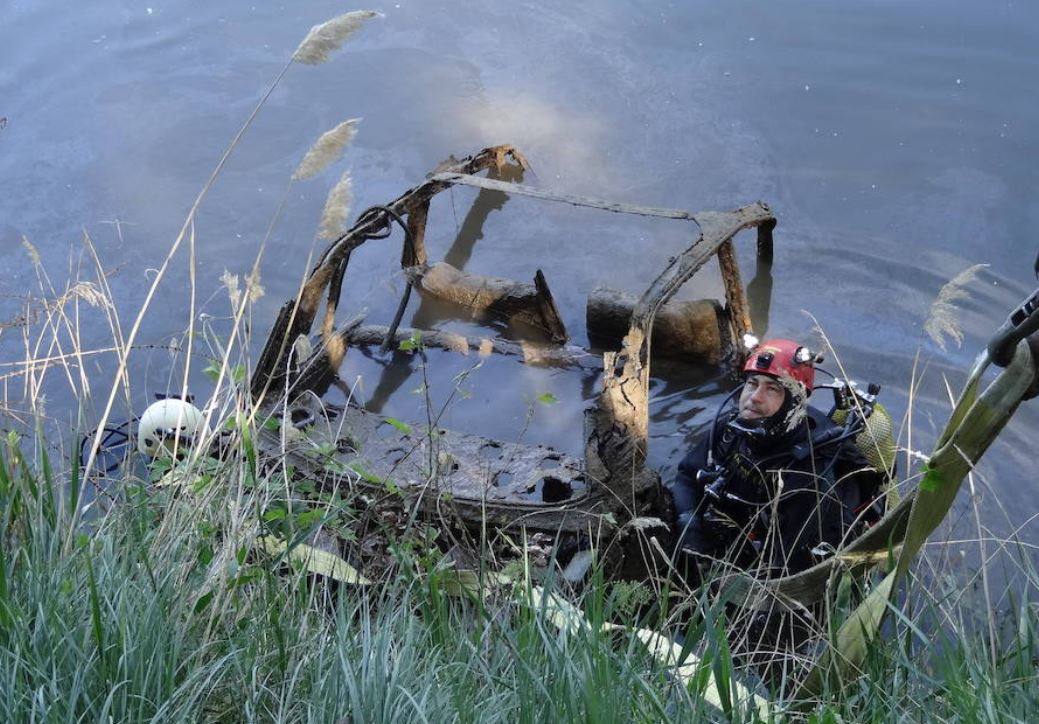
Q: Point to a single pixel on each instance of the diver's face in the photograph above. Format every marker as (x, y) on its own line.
(761, 397)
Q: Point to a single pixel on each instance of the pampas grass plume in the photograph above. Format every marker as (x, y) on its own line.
(326, 150)
(328, 37)
(337, 208)
(34, 255)
(942, 317)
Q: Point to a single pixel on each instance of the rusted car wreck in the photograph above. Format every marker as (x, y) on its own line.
(568, 505)
(480, 481)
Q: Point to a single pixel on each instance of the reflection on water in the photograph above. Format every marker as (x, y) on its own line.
(759, 296)
(430, 311)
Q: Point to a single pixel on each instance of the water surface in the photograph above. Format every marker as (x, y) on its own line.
(894, 141)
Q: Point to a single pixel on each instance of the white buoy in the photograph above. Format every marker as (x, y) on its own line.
(167, 424)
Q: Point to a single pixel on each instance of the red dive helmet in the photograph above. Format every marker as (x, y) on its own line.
(783, 358)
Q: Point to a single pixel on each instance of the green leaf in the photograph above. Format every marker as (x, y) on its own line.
(202, 483)
(315, 560)
(412, 343)
(250, 574)
(335, 466)
(203, 601)
(205, 554)
(932, 480)
(547, 398)
(402, 426)
(272, 423)
(326, 449)
(365, 474)
(238, 374)
(274, 514)
(309, 518)
(212, 371)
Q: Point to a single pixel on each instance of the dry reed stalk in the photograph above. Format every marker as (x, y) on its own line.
(329, 36)
(326, 150)
(315, 48)
(337, 209)
(941, 319)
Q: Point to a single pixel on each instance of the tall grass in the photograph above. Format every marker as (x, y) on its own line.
(158, 615)
(162, 611)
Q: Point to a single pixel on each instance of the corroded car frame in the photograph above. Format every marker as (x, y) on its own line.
(613, 478)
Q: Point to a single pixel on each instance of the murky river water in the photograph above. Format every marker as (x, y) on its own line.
(895, 142)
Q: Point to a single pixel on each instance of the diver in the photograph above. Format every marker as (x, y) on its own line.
(775, 485)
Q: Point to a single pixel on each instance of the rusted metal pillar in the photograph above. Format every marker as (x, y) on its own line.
(739, 312)
(416, 255)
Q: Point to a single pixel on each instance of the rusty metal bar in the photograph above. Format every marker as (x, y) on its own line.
(739, 311)
(416, 255)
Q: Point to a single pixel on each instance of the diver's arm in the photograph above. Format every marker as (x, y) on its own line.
(806, 515)
(687, 491)
(858, 486)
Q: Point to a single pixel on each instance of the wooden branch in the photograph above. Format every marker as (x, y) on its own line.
(735, 299)
(318, 372)
(765, 241)
(416, 256)
(547, 309)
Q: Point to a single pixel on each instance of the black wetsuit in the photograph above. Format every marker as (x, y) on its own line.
(754, 521)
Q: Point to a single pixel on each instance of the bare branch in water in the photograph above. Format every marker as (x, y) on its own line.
(326, 150)
(337, 208)
(942, 318)
(328, 37)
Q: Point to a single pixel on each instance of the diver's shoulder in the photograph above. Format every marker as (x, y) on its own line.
(818, 421)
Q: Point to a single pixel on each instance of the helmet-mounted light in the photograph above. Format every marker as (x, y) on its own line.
(803, 356)
(783, 358)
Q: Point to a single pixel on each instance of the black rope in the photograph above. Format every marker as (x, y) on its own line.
(392, 331)
(113, 438)
(409, 251)
(367, 216)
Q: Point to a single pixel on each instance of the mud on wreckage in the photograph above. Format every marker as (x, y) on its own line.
(463, 481)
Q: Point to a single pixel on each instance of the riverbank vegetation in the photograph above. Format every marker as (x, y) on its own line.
(161, 609)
